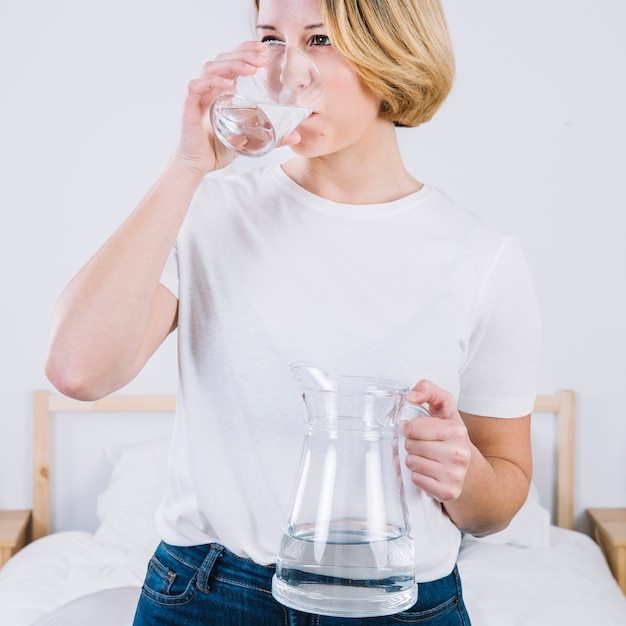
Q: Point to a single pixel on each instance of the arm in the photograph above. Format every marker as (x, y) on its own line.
(114, 313)
(478, 467)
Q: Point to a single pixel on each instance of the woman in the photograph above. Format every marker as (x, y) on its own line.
(341, 258)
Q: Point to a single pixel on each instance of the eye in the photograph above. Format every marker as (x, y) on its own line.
(320, 40)
(269, 38)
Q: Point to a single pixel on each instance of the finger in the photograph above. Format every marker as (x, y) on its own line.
(431, 429)
(440, 479)
(246, 48)
(200, 92)
(200, 86)
(231, 68)
(441, 403)
(451, 454)
(436, 489)
(241, 61)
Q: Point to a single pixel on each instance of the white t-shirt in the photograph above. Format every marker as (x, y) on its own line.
(266, 274)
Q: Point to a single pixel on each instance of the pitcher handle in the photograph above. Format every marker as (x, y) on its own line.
(411, 410)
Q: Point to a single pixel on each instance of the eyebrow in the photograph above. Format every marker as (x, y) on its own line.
(309, 27)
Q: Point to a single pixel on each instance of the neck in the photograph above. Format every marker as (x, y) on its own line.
(371, 176)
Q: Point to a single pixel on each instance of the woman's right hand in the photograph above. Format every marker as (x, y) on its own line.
(198, 147)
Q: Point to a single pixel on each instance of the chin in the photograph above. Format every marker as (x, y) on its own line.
(311, 146)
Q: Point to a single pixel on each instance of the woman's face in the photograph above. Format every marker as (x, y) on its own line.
(348, 109)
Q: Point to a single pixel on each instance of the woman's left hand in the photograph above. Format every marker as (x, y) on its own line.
(439, 448)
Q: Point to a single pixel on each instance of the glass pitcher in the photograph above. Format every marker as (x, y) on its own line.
(347, 550)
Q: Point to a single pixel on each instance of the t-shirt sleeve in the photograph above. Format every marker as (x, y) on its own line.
(499, 376)
(169, 276)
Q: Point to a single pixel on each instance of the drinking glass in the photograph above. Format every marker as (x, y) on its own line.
(262, 109)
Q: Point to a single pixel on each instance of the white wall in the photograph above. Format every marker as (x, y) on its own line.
(532, 139)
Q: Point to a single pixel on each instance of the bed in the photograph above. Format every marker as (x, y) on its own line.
(536, 572)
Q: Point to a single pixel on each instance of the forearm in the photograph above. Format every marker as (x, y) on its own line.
(479, 467)
(493, 491)
(100, 321)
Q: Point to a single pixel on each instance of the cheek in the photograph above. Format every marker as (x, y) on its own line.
(349, 99)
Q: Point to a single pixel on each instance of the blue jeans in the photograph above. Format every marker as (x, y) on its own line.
(208, 585)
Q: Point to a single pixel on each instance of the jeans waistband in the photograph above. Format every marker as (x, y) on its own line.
(215, 561)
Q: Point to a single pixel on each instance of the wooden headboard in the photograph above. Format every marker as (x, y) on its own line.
(559, 404)
(45, 404)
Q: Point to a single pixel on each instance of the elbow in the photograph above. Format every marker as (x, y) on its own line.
(72, 378)
(487, 528)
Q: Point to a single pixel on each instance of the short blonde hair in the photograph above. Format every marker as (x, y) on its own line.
(401, 49)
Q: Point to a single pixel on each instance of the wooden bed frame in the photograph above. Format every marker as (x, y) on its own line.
(45, 404)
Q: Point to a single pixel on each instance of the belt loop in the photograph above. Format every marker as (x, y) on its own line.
(215, 551)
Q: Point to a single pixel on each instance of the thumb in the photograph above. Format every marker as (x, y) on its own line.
(292, 138)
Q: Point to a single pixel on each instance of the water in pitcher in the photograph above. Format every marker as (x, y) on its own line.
(355, 572)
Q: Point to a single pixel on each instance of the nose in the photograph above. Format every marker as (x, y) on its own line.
(296, 69)
(290, 76)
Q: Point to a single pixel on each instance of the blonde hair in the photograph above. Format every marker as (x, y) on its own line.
(401, 49)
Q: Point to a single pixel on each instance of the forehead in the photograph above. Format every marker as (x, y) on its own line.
(282, 13)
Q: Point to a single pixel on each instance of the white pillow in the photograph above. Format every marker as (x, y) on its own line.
(126, 508)
(529, 528)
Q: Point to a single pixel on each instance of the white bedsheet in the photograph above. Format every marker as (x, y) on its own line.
(109, 607)
(59, 568)
(57, 580)
(566, 583)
